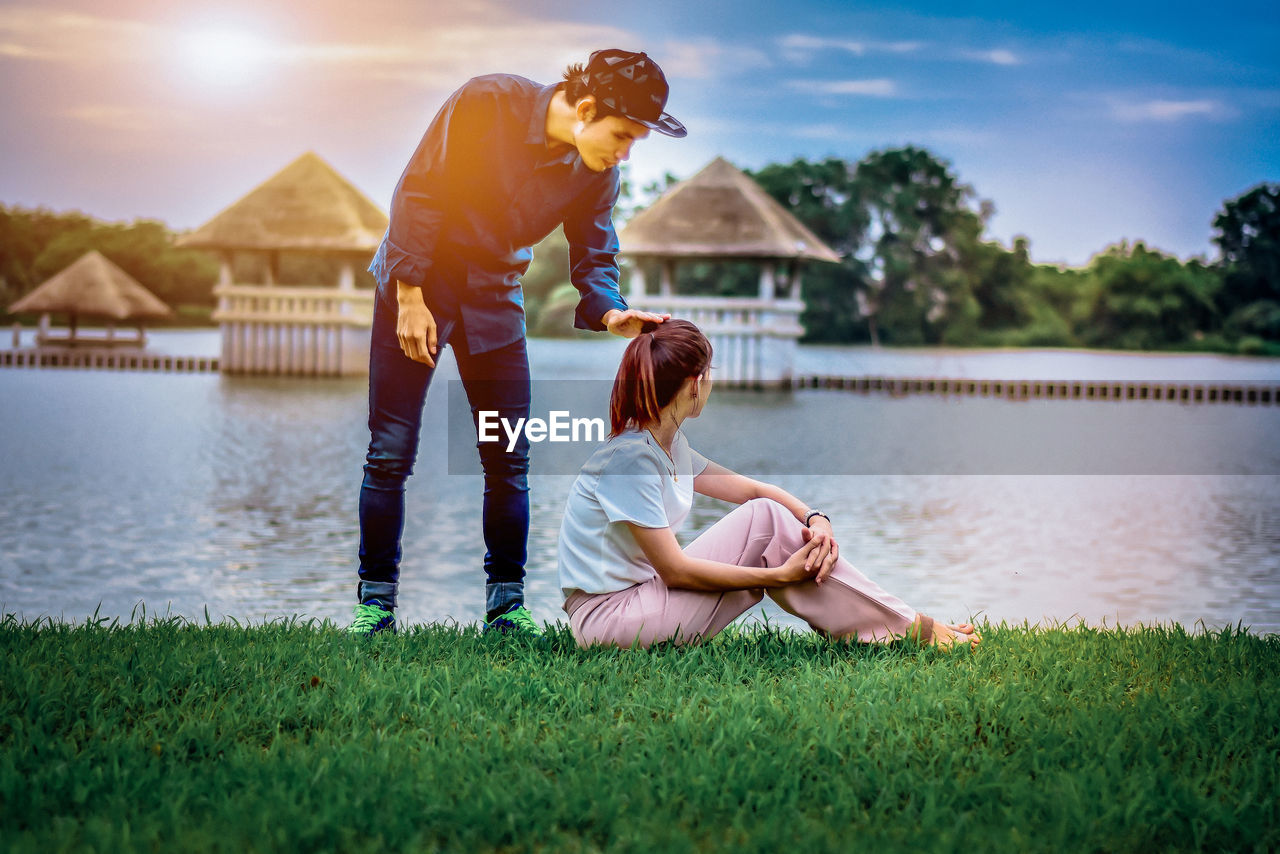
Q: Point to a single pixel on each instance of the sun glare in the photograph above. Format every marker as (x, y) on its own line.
(224, 56)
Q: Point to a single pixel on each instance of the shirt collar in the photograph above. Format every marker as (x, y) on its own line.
(537, 134)
(538, 121)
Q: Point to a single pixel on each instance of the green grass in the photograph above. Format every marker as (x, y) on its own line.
(288, 736)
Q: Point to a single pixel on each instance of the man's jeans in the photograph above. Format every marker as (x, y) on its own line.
(495, 381)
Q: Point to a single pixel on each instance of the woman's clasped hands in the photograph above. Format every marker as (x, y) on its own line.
(815, 559)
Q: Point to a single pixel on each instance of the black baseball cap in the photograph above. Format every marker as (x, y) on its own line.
(632, 85)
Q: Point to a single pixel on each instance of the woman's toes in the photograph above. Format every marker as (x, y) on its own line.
(960, 634)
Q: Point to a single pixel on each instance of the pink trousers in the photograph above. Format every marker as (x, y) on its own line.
(760, 532)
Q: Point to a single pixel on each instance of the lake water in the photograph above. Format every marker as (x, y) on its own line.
(187, 492)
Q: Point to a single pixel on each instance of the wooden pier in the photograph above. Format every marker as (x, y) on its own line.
(1097, 390)
(1249, 394)
(107, 360)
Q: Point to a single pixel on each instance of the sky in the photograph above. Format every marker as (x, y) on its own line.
(1084, 124)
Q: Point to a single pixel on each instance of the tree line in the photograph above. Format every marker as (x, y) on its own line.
(915, 270)
(37, 244)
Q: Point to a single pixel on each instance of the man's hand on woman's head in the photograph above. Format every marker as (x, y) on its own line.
(627, 324)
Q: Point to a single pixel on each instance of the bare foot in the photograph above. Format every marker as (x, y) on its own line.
(933, 632)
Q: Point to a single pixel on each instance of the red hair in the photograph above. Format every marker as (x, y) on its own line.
(655, 365)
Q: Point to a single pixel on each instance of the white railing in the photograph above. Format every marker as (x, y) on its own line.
(302, 305)
(754, 339)
(318, 331)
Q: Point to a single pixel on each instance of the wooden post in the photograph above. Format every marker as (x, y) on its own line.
(636, 289)
(346, 284)
(793, 277)
(767, 285)
(666, 284)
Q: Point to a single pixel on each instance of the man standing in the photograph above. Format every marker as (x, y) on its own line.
(503, 163)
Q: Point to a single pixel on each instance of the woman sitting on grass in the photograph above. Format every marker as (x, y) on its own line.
(625, 578)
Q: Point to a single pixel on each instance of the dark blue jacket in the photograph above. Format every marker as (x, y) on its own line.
(480, 190)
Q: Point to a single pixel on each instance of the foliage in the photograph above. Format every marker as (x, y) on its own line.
(38, 244)
(821, 195)
(920, 223)
(169, 736)
(23, 236)
(548, 271)
(1145, 300)
(699, 277)
(1000, 284)
(905, 226)
(292, 268)
(1249, 236)
(914, 270)
(554, 315)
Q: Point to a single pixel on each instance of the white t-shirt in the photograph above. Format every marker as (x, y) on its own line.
(628, 479)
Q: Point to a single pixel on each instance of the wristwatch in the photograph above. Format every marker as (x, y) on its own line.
(813, 513)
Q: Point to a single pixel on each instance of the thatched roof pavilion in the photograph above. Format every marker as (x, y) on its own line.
(721, 213)
(92, 287)
(305, 207)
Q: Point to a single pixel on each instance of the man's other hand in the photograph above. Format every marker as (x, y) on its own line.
(415, 325)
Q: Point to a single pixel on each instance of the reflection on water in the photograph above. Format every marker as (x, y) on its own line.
(240, 494)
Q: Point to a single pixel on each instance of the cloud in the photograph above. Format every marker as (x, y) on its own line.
(799, 47)
(999, 56)
(878, 87)
(54, 36)
(826, 131)
(439, 54)
(1162, 110)
(703, 59)
(958, 136)
(955, 136)
(129, 119)
(16, 50)
(445, 56)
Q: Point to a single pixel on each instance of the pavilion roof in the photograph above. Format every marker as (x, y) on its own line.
(96, 287)
(306, 206)
(720, 213)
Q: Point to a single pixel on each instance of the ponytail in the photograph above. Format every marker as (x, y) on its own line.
(654, 366)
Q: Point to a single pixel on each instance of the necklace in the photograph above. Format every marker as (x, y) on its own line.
(671, 469)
